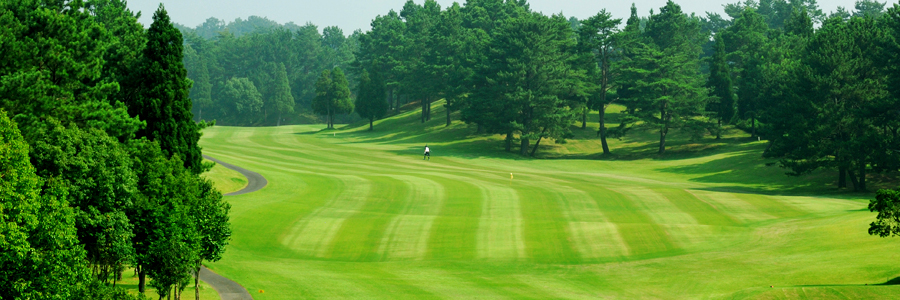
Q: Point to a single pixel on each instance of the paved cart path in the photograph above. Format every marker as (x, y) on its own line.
(227, 288)
(255, 181)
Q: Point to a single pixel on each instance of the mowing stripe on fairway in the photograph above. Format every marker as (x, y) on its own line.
(547, 239)
(453, 235)
(637, 229)
(702, 211)
(360, 234)
(592, 233)
(313, 234)
(500, 226)
(774, 207)
(680, 226)
(406, 236)
(730, 204)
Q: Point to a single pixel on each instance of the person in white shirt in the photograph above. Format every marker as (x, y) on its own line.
(427, 153)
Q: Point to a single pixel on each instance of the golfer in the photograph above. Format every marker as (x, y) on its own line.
(427, 153)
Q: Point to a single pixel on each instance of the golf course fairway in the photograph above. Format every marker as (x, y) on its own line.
(350, 213)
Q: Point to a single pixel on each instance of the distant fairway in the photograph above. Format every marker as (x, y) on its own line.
(360, 215)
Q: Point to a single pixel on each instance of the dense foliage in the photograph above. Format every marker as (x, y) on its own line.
(92, 106)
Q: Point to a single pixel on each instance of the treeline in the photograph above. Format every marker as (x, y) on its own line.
(99, 162)
(259, 73)
(823, 98)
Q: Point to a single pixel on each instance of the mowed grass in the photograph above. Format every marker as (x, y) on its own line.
(356, 214)
(224, 179)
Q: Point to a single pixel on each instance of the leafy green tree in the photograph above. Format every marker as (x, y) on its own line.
(887, 205)
(597, 35)
(39, 253)
(332, 95)
(101, 185)
(209, 214)
(242, 96)
(370, 102)
(163, 102)
(744, 42)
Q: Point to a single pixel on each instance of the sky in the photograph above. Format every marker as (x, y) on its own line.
(351, 15)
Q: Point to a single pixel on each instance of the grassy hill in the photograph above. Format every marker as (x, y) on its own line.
(351, 213)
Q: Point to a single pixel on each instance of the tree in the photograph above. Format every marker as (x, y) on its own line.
(844, 115)
(597, 36)
(163, 102)
(669, 91)
(887, 205)
(332, 95)
(39, 253)
(242, 97)
(870, 8)
(528, 72)
(97, 174)
(721, 88)
(284, 102)
(370, 103)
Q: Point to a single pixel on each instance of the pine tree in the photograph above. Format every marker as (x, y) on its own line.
(721, 87)
(370, 103)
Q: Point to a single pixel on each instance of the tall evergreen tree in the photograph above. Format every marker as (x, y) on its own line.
(332, 95)
(163, 102)
(597, 35)
(284, 101)
(721, 87)
(370, 103)
(669, 91)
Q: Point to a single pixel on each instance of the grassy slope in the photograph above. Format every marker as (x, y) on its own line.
(358, 214)
(225, 179)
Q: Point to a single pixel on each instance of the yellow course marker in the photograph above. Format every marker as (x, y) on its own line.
(510, 178)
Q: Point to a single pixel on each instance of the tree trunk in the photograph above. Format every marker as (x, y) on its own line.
(842, 177)
(390, 99)
(199, 114)
(423, 110)
(448, 112)
(862, 175)
(197, 282)
(753, 125)
(141, 279)
(278, 123)
(509, 139)
(428, 109)
(602, 130)
(719, 130)
(371, 120)
(662, 140)
(523, 150)
(853, 180)
(538, 142)
(664, 130)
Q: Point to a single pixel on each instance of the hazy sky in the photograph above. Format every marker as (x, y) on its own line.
(350, 15)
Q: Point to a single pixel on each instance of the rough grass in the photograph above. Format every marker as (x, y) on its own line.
(130, 282)
(224, 179)
(350, 213)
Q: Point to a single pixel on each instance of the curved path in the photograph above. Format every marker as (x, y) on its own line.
(227, 288)
(255, 181)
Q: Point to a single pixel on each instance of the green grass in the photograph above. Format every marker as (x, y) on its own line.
(130, 282)
(224, 179)
(350, 213)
